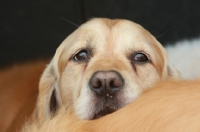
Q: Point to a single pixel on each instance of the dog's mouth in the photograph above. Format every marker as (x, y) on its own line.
(103, 112)
(106, 105)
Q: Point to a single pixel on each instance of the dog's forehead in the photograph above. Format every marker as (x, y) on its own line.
(116, 34)
(106, 36)
(110, 39)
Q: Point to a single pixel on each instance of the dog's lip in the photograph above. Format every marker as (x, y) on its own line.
(103, 112)
(105, 105)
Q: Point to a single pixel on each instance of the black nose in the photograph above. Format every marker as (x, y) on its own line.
(106, 82)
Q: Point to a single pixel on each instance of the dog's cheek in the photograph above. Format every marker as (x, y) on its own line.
(147, 76)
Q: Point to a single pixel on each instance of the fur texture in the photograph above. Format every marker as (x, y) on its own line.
(166, 107)
(111, 45)
(108, 45)
(18, 93)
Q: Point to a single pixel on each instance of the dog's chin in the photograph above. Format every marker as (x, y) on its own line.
(106, 106)
(103, 112)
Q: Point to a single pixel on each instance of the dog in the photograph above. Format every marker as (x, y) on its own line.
(172, 105)
(101, 67)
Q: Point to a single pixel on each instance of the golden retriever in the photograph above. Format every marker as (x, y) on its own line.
(101, 67)
(171, 106)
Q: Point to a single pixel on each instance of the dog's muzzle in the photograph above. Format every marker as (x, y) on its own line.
(106, 85)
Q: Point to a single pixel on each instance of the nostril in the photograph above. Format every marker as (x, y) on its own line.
(97, 84)
(115, 83)
(112, 84)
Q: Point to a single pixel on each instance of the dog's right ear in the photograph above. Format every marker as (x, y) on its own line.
(49, 98)
(49, 95)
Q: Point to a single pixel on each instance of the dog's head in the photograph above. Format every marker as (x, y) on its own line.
(102, 66)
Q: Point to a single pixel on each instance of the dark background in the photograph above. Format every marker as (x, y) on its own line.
(34, 29)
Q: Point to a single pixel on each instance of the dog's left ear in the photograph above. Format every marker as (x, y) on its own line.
(172, 72)
(165, 67)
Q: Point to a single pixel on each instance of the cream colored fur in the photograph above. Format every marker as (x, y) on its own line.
(171, 106)
(112, 42)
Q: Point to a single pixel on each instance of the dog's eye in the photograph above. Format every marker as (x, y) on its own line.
(140, 57)
(81, 55)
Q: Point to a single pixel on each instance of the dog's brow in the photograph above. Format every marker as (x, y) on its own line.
(88, 41)
(89, 45)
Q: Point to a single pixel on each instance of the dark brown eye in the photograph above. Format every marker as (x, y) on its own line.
(81, 55)
(140, 57)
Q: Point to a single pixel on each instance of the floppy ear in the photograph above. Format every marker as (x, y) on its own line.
(172, 71)
(48, 99)
(165, 67)
(169, 70)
